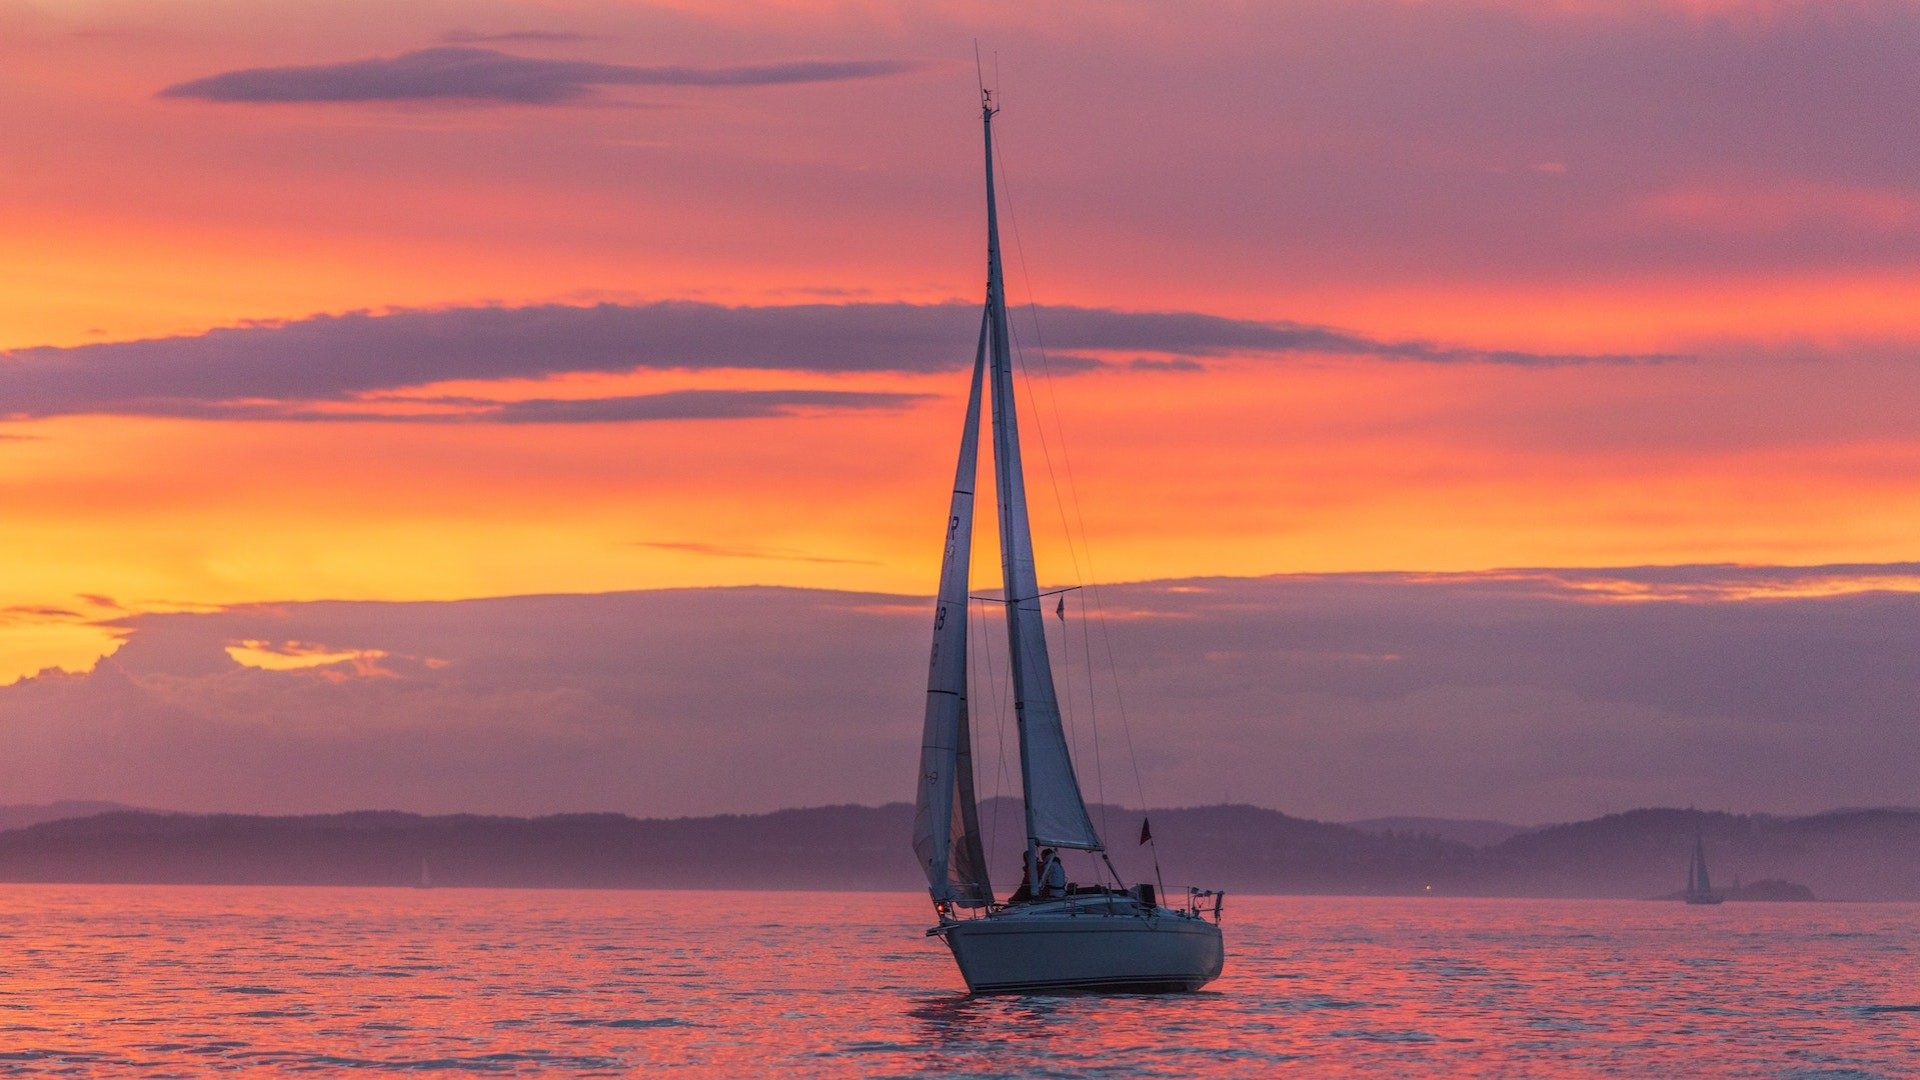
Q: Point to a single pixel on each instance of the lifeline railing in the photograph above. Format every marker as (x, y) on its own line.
(1197, 904)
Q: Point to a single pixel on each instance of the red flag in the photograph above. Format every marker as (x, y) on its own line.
(1146, 831)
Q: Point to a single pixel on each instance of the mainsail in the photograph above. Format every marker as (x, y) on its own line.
(946, 825)
(1697, 882)
(1056, 813)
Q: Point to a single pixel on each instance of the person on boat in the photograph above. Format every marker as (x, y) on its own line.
(1025, 892)
(1053, 875)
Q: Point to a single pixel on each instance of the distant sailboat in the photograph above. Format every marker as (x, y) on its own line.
(1699, 888)
(1051, 935)
(426, 876)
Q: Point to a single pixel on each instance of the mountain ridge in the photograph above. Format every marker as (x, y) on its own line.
(1474, 832)
(1844, 854)
(21, 815)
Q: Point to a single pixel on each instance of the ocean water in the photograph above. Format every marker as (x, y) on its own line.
(142, 981)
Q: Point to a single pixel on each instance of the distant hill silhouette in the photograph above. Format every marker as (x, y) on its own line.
(1769, 889)
(1859, 854)
(1840, 855)
(1473, 832)
(21, 815)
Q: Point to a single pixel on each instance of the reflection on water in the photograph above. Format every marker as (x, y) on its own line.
(182, 981)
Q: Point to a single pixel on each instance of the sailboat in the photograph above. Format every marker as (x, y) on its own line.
(1699, 888)
(426, 875)
(1050, 935)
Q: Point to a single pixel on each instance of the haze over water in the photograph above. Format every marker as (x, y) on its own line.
(172, 981)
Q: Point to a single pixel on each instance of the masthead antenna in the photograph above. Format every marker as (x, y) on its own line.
(980, 76)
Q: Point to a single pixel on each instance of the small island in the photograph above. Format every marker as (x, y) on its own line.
(1770, 889)
(1766, 889)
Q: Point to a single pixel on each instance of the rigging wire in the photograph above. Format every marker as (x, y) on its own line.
(1066, 529)
(1073, 556)
(1083, 575)
(1073, 490)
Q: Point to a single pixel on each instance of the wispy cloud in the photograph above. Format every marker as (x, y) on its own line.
(38, 613)
(717, 404)
(283, 369)
(1195, 334)
(1177, 363)
(474, 37)
(692, 405)
(466, 73)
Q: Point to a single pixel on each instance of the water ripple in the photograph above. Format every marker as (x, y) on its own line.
(147, 982)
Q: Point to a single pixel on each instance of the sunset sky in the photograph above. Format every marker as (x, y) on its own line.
(433, 300)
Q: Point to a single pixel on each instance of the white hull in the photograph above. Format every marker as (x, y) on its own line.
(1086, 943)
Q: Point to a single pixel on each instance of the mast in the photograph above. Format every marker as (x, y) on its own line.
(1055, 810)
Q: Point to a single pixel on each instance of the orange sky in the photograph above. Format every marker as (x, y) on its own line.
(1216, 166)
